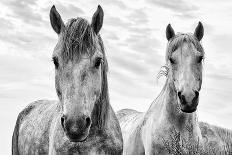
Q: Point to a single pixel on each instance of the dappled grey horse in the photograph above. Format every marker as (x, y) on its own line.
(172, 117)
(82, 121)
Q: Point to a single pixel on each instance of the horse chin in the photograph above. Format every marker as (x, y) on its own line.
(188, 109)
(79, 138)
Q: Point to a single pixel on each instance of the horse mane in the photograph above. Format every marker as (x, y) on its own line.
(178, 40)
(101, 108)
(80, 39)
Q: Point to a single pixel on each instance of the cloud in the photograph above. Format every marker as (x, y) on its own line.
(175, 5)
(180, 7)
(117, 3)
(136, 66)
(24, 10)
(115, 21)
(25, 78)
(138, 17)
(146, 46)
(111, 35)
(218, 76)
(142, 42)
(222, 40)
(67, 11)
(186, 15)
(29, 11)
(140, 31)
(30, 42)
(6, 24)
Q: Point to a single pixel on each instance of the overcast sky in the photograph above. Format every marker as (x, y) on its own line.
(134, 37)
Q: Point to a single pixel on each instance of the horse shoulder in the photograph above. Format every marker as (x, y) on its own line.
(22, 114)
(32, 127)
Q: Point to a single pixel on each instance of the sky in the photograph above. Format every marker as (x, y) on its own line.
(134, 37)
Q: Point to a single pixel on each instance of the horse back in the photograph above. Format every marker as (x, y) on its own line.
(123, 113)
(215, 136)
(131, 123)
(26, 127)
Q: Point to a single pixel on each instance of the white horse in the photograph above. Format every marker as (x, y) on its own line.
(82, 122)
(170, 125)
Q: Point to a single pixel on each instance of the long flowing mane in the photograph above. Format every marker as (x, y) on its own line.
(101, 109)
(79, 39)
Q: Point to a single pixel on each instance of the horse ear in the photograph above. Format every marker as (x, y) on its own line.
(170, 33)
(97, 19)
(56, 21)
(199, 31)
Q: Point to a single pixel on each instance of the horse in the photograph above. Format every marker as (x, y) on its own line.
(82, 121)
(171, 121)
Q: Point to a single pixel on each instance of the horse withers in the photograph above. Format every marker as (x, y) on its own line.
(170, 125)
(82, 121)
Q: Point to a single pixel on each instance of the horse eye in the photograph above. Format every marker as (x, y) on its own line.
(172, 60)
(56, 62)
(98, 62)
(174, 48)
(199, 59)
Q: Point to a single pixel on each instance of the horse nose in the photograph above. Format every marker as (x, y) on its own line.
(188, 101)
(62, 120)
(77, 129)
(182, 98)
(196, 94)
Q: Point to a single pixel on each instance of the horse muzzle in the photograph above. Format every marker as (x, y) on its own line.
(188, 102)
(77, 130)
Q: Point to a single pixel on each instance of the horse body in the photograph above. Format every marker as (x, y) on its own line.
(82, 122)
(216, 138)
(170, 125)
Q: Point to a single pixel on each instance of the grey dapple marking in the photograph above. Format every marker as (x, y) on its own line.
(175, 107)
(82, 120)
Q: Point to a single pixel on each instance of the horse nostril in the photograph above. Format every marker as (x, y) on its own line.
(88, 122)
(195, 99)
(62, 119)
(182, 98)
(196, 94)
(179, 94)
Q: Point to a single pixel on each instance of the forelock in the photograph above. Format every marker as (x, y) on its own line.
(78, 39)
(180, 39)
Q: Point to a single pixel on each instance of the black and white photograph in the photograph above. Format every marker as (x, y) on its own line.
(116, 77)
